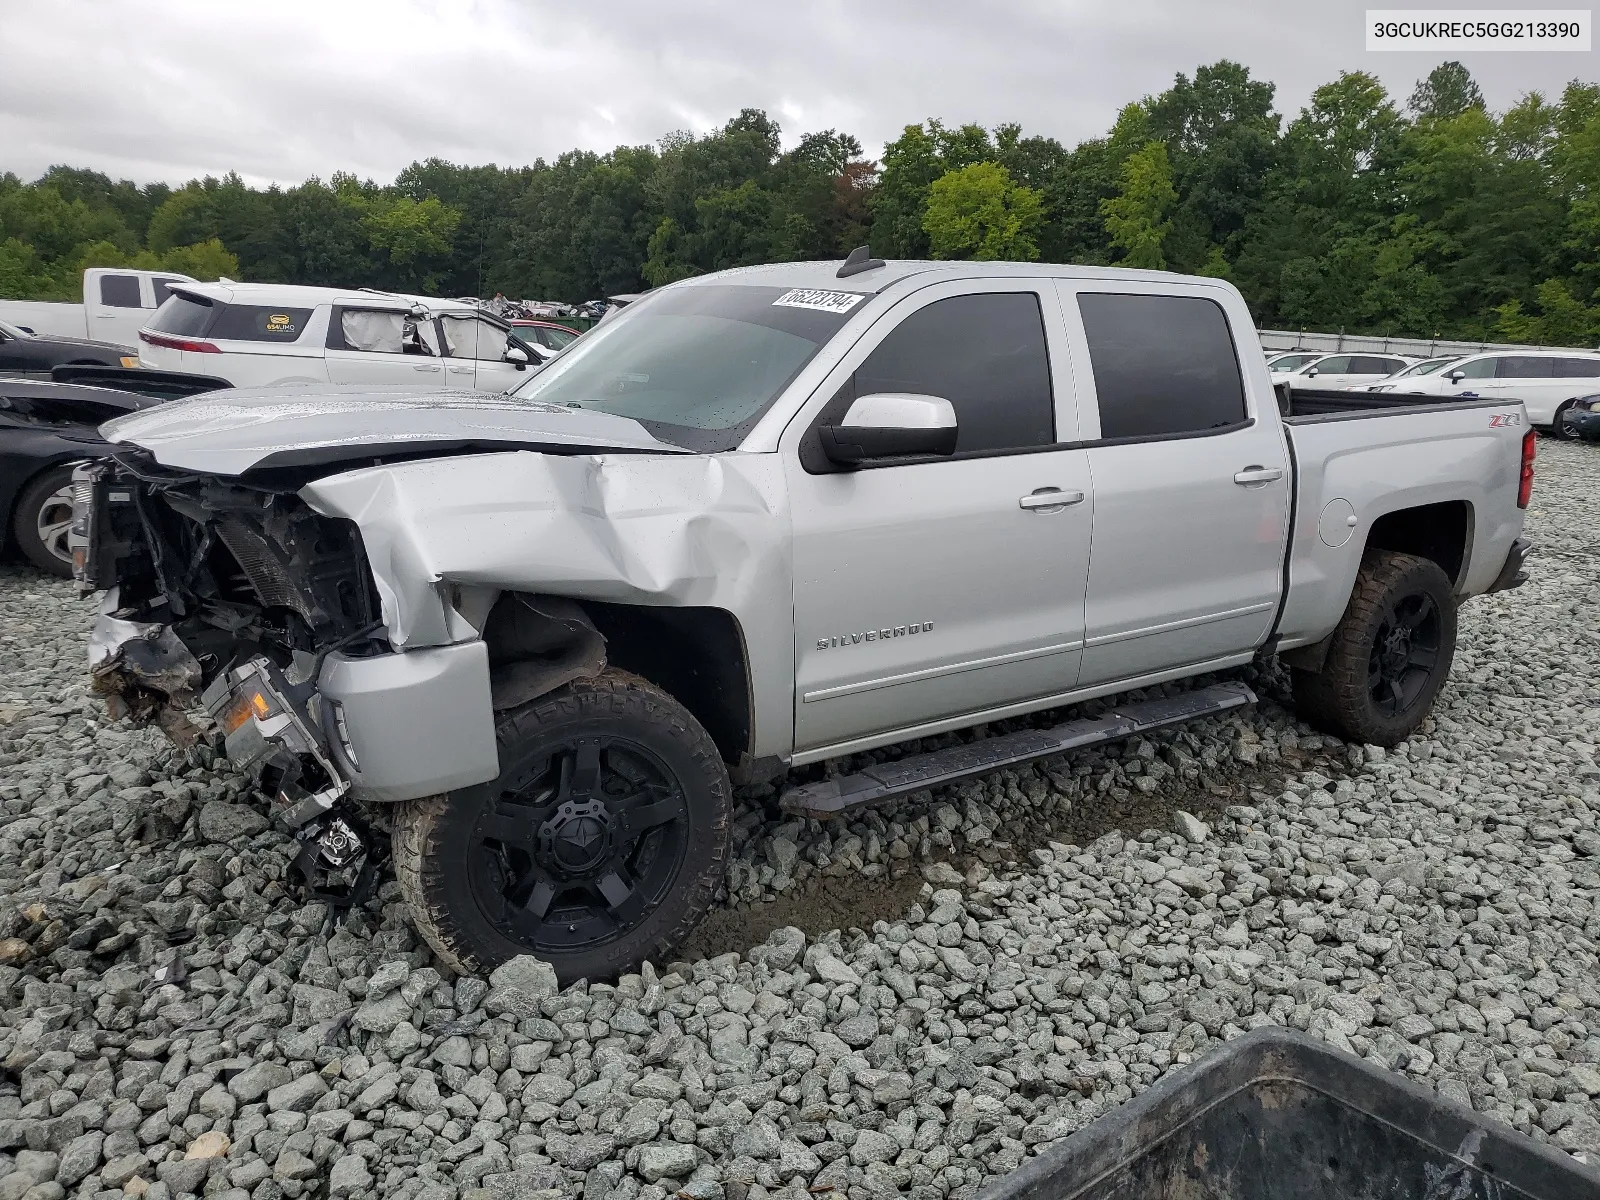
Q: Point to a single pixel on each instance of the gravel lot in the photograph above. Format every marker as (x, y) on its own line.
(175, 1022)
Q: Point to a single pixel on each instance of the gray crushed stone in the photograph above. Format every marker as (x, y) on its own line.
(175, 1022)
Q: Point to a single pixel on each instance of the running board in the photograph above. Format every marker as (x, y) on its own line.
(883, 781)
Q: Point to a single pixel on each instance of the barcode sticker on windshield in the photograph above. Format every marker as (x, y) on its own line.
(834, 302)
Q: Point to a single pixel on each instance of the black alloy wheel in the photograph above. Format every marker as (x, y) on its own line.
(1405, 651)
(580, 844)
(601, 843)
(1389, 655)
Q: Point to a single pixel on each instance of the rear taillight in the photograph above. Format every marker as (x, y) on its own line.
(1525, 484)
(174, 343)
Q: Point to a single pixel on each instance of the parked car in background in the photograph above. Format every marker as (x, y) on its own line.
(116, 302)
(1344, 370)
(1291, 360)
(46, 428)
(264, 334)
(1583, 418)
(1548, 382)
(546, 335)
(1426, 367)
(34, 355)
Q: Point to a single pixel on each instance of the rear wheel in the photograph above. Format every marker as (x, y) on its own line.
(1390, 655)
(41, 519)
(601, 844)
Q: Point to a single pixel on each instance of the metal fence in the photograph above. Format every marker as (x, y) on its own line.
(1274, 340)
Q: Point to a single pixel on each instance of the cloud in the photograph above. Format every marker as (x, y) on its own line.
(172, 89)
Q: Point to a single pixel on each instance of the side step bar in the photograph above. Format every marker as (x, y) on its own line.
(844, 793)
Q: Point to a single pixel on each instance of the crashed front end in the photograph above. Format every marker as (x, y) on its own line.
(233, 612)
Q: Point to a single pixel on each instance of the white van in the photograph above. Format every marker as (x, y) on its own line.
(261, 334)
(1546, 381)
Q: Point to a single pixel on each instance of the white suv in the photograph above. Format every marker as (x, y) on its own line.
(260, 334)
(1546, 381)
(1342, 370)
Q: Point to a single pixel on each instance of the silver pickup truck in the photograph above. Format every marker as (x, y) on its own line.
(761, 519)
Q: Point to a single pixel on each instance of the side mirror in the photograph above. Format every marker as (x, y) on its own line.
(1456, 376)
(891, 425)
(517, 356)
(1312, 373)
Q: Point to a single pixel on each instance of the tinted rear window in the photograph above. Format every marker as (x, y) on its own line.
(1577, 368)
(1525, 366)
(255, 323)
(1163, 365)
(120, 291)
(183, 314)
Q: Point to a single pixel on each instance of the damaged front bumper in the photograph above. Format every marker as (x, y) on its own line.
(378, 728)
(144, 671)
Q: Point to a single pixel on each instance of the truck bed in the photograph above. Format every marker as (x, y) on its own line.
(1302, 405)
(1454, 462)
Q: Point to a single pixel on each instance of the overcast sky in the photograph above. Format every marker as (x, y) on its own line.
(171, 89)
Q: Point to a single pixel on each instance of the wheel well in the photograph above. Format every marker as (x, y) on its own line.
(1436, 531)
(696, 655)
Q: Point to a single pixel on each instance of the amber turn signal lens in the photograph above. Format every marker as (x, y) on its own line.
(243, 708)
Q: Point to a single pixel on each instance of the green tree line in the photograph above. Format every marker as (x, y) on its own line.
(1428, 217)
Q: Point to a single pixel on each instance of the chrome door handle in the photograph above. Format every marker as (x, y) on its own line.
(1050, 499)
(1251, 476)
(423, 367)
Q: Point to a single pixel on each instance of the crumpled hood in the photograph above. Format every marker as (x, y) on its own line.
(231, 432)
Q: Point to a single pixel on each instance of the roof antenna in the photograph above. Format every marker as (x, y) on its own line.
(860, 260)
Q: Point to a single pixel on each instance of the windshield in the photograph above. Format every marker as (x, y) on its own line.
(1288, 362)
(11, 331)
(698, 365)
(1425, 368)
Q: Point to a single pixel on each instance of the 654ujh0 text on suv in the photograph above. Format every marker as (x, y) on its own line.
(761, 519)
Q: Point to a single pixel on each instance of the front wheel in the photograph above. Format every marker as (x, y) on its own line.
(41, 519)
(1559, 428)
(1390, 655)
(601, 844)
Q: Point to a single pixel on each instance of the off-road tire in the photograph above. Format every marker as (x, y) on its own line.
(25, 519)
(432, 836)
(1338, 699)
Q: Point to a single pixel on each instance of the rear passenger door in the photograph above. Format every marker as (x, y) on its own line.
(1191, 485)
(383, 347)
(932, 588)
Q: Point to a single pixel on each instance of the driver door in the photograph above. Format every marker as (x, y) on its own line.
(475, 354)
(930, 589)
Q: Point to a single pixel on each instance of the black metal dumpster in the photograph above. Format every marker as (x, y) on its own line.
(1277, 1115)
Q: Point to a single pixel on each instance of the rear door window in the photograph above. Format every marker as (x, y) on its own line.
(258, 323)
(986, 354)
(120, 291)
(1525, 366)
(380, 331)
(1163, 365)
(1577, 368)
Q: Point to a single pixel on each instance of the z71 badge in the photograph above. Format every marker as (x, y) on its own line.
(875, 635)
(1504, 420)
